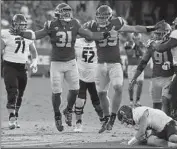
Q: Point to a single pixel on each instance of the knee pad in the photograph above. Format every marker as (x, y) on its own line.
(79, 106)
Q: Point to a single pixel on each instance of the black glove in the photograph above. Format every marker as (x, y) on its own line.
(106, 35)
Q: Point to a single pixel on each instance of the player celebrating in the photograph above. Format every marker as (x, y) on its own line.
(15, 56)
(109, 68)
(134, 50)
(63, 31)
(86, 60)
(155, 127)
(162, 71)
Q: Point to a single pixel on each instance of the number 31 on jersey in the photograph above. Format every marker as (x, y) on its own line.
(64, 39)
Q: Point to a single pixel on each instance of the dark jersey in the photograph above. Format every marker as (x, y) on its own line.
(162, 62)
(134, 52)
(108, 49)
(62, 39)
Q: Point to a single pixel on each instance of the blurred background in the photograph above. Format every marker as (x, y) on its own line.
(141, 12)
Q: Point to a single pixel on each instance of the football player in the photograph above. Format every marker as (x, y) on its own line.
(154, 126)
(134, 50)
(162, 71)
(63, 31)
(109, 68)
(86, 59)
(171, 44)
(15, 56)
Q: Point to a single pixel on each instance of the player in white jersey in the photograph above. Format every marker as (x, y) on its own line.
(171, 43)
(15, 56)
(155, 127)
(86, 54)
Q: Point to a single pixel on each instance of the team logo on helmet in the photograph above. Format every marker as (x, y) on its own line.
(162, 32)
(125, 115)
(63, 12)
(19, 22)
(103, 15)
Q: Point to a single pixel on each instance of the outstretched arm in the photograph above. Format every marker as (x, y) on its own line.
(168, 45)
(34, 35)
(86, 33)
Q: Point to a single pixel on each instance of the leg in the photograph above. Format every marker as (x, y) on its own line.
(139, 88)
(166, 96)
(72, 77)
(22, 82)
(56, 77)
(95, 99)
(116, 76)
(155, 141)
(11, 83)
(131, 72)
(156, 93)
(102, 82)
(79, 105)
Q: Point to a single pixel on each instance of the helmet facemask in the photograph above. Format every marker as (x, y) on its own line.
(64, 14)
(125, 119)
(22, 26)
(103, 20)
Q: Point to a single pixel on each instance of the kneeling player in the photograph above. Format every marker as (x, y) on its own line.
(161, 128)
(86, 59)
(15, 56)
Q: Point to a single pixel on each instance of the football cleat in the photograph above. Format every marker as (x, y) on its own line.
(78, 127)
(131, 104)
(58, 123)
(104, 125)
(111, 122)
(17, 125)
(12, 121)
(68, 117)
(137, 104)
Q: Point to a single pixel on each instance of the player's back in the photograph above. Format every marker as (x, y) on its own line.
(108, 49)
(16, 48)
(63, 37)
(156, 118)
(162, 63)
(86, 59)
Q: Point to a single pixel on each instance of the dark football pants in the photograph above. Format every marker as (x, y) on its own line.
(92, 91)
(15, 79)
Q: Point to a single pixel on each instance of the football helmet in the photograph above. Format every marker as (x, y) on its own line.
(103, 15)
(19, 22)
(163, 31)
(63, 12)
(125, 115)
(136, 36)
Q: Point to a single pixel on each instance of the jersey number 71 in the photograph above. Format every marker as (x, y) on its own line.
(19, 43)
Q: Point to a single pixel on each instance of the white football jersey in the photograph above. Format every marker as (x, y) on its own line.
(16, 48)
(174, 50)
(86, 54)
(157, 119)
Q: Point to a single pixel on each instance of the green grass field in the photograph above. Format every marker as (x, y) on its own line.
(37, 122)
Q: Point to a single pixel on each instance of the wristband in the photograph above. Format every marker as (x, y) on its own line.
(150, 29)
(132, 141)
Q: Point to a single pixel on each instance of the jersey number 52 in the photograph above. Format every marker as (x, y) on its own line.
(88, 56)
